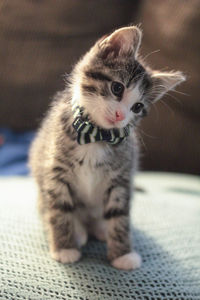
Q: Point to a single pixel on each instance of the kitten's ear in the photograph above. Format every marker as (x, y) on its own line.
(164, 82)
(122, 42)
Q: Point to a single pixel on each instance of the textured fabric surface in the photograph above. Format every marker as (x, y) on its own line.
(167, 234)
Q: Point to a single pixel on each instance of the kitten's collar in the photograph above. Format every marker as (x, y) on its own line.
(90, 133)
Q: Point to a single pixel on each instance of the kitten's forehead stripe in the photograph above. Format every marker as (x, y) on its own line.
(104, 91)
(146, 82)
(115, 213)
(89, 89)
(97, 76)
(137, 72)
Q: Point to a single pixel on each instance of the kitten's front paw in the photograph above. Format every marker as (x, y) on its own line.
(129, 261)
(66, 256)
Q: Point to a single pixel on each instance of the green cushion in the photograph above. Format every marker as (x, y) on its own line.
(166, 222)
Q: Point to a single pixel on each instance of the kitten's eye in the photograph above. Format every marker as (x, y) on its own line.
(137, 107)
(117, 88)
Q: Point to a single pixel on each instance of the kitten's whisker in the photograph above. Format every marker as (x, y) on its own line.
(150, 53)
(142, 140)
(174, 98)
(181, 93)
(156, 110)
(166, 105)
(146, 134)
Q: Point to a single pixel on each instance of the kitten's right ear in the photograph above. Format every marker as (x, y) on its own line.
(164, 82)
(122, 42)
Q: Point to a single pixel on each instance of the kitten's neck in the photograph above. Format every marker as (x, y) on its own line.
(88, 132)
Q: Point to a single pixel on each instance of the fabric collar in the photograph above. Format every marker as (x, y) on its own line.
(89, 133)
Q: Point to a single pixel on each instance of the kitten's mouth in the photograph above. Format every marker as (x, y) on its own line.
(116, 121)
(110, 121)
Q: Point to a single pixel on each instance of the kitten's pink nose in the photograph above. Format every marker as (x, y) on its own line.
(119, 115)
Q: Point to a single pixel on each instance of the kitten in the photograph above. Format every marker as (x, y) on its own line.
(86, 151)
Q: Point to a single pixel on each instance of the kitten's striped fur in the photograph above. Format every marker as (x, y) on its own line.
(86, 189)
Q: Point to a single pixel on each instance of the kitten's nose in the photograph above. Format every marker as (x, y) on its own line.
(119, 115)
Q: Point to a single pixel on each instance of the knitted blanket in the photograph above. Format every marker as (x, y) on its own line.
(166, 221)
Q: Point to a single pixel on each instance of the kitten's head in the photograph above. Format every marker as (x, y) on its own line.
(113, 85)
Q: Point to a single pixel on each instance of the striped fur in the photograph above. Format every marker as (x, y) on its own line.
(86, 189)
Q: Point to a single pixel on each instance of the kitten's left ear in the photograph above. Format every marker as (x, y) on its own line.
(122, 42)
(164, 82)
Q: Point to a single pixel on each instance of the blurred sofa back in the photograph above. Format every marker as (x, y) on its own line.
(172, 131)
(41, 40)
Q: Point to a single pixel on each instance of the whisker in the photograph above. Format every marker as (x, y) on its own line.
(166, 105)
(155, 109)
(146, 134)
(174, 98)
(142, 140)
(143, 132)
(150, 53)
(181, 93)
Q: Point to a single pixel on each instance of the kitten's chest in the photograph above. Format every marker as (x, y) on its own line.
(91, 184)
(92, 178)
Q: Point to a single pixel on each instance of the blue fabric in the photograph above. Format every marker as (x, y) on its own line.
(14, 147)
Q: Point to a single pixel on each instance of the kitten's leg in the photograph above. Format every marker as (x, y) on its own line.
(63, 246)
(116, 213)
(59, 218)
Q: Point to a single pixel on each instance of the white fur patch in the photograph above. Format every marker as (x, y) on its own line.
(81, 239)
(66, 256)
(128, 261)
(81, 234)
(100, 230)
(92, 153)
(90, 179)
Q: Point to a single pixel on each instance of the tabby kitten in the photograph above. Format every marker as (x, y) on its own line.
(86, 151)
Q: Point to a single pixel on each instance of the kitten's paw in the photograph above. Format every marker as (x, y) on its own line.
(66, 256)
(129, 261)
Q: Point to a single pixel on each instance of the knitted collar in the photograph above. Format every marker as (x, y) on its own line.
(89, 133)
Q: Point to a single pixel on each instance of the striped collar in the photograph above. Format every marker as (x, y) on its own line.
(89, 133)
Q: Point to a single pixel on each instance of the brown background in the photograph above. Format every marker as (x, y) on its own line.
(41, 40)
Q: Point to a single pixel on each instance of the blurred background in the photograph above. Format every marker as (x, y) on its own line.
(42, 39)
